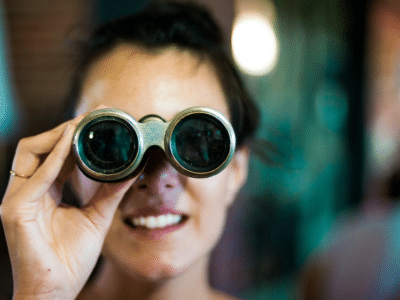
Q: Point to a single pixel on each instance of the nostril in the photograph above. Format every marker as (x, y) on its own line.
(142, 187)
(169, 186)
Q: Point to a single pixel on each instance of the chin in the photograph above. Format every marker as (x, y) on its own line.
(159, 273)
(151, 267)
(152, 259)
(156, 271)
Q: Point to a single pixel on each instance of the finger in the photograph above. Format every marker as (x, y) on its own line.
(30, 151)
(101, 209)
(26, 160)
(63, 176)
(67, 169)
(31, 146)
(70, 162)
(31, 191)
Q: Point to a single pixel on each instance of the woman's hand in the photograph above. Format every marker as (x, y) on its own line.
(53, 248)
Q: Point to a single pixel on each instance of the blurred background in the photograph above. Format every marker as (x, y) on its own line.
(321, 221)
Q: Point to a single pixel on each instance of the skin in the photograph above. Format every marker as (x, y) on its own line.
(164, 84)
(47, 241)
(54, 248)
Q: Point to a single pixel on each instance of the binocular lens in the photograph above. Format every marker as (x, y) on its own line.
(111, 145)
(108, 146)
(201, 143)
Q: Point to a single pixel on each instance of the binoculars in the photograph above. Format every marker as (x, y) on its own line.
(110, 145)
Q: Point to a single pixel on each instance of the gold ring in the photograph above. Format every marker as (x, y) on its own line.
(15, 174)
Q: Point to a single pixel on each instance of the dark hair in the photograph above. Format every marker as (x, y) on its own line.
(187, 26)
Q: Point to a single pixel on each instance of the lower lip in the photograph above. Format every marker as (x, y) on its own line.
(156, 233)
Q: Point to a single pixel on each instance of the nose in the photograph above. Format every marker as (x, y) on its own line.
(159, 179)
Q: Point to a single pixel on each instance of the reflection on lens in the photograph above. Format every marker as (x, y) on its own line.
(201, 143)
(108, 146)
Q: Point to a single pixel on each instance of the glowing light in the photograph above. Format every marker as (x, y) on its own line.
(254, 44)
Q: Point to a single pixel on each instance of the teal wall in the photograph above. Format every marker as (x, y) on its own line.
(8, 106)
(312, 111)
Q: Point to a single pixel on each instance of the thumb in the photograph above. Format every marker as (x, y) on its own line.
(101, 208)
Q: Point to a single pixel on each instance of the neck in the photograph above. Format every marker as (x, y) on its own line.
(113, 283)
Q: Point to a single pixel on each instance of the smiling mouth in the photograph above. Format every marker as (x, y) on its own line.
(156, 222)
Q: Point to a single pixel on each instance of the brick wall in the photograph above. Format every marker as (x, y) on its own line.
(38, 33)
(40, 64)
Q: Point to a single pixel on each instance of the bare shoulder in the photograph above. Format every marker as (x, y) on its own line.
(218, 295)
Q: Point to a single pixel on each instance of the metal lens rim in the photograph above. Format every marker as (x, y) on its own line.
(202, 118)
(170, 147)
(89, 127)
(104, 115)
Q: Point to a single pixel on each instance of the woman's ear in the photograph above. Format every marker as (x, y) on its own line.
(238, 168)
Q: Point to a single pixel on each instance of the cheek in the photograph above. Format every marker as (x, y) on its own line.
(211, 198)
(214, 192)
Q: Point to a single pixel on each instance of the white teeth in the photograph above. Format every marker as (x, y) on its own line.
(161, 221)
(151, 222)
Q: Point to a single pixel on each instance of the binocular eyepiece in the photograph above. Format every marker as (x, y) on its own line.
(110, 145)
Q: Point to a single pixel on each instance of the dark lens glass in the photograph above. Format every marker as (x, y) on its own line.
(108, 146)
(201, 143)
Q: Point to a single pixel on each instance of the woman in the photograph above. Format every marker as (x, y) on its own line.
(165, 59)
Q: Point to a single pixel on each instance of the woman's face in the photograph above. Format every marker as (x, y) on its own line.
(178, 219)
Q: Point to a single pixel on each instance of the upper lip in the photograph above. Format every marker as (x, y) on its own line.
(153, 211)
